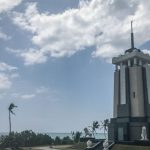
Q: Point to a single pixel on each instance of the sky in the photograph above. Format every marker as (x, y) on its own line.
(55, 59)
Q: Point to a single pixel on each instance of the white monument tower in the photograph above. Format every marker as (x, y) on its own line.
(131, 95)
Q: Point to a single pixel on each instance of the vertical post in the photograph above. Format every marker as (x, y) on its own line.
(132, 36)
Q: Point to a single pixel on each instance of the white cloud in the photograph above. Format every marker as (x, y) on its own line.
(41, 93)
(6, 5)
(104, 51)
(11, 50)
(33, 56)
(42, 90)
(14, 75)
(28, 96)
(6, 67)
(4, 36)
(5, 83)
(99, 23)
(146, 51)
(7, 75)
(37, 92)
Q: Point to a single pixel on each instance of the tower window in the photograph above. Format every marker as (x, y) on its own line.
(133, 94)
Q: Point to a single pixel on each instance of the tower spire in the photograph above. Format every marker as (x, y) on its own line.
(132, 36)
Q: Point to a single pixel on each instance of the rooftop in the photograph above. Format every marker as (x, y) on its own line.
(135, 53)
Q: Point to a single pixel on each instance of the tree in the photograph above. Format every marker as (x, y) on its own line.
(10, 109)
(87, 132)
(94, 126)
(77, 136)
(67, 140)
(57, 141)
(104, 125)
(72, 134)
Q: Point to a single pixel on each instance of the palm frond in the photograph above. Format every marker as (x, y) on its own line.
(11, 107)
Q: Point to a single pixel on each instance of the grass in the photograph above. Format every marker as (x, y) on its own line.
(129, 147)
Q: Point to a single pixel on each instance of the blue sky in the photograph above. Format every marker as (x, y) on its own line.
(55, 59)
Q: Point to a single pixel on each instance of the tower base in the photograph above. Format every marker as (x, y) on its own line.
(127, 129)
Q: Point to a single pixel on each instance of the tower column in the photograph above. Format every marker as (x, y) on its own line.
(135, 61)
(122, 84)
(136, 92)
(116, 67)
(116, 92)
(140, 62)
(129, 63)
(148, 81)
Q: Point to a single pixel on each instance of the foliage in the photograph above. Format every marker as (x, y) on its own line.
(87, 132)
(28, 138)
(25, 138)
(57, 141)
(9, 141)
(67, 140)
(104, 125)
(77, 136)
(11, 107)
(94, 126)
(72, 134)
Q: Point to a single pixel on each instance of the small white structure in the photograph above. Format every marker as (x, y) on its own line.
(89, 143)
(144, 134)
(105, 144)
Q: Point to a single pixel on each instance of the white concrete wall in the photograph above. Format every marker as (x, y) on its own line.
(136, 85)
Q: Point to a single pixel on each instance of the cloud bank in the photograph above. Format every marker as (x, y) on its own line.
(104, 25)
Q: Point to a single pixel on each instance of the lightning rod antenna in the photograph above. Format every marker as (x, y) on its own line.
(132, 36)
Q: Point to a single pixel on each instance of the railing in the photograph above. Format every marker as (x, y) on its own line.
(99, 146)
(110, 146)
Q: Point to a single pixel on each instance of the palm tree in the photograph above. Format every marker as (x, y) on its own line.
(94, 126)
(87, 132)
(10, 109)
(72, 134)
(104, 125)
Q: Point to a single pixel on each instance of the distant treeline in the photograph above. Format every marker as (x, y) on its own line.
(28, 138)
